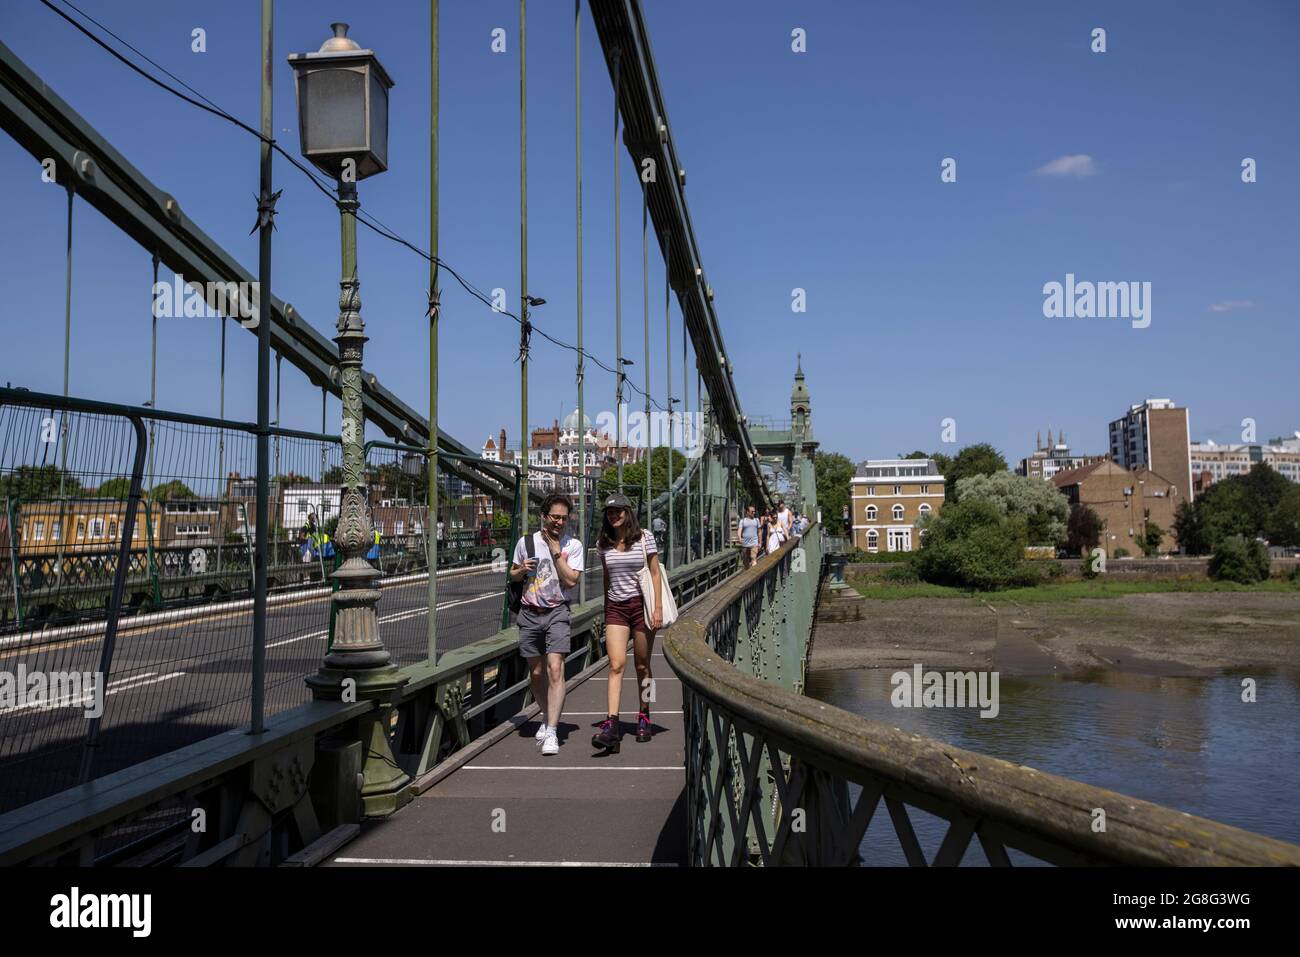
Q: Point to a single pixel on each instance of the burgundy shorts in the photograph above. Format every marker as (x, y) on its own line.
(630, 613)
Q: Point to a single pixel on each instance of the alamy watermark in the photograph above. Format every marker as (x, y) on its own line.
(195, 300)
(45, 690)
(953, 689)
(1100, 300)
(640, 430)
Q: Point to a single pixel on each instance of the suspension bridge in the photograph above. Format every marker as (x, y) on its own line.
(365, 703)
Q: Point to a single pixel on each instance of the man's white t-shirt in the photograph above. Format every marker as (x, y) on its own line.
(543, 587)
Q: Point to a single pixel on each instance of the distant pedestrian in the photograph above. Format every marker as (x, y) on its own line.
(544, 622)
(784, 516)
(748, 529)
(776, 536)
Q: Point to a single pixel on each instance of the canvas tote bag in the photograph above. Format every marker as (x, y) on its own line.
(647, 583)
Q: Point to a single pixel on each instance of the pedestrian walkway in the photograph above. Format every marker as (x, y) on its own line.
(509, 805)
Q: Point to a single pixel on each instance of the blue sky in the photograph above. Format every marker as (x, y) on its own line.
(818, 170)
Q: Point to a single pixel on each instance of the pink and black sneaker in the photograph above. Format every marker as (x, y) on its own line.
(643, 732)
(607, 738)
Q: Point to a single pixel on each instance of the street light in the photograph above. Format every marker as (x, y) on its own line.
(342, 96)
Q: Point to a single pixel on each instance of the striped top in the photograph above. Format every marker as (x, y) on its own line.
(621, 568)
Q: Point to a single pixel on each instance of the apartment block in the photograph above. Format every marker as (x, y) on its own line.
(1154, 435)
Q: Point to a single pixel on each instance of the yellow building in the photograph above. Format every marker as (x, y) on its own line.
(888, 496)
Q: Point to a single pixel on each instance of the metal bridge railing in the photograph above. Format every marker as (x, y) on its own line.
(773, 777)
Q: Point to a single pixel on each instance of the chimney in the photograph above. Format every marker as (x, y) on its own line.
(503, 445)
(1049, 438)
(1038, 443)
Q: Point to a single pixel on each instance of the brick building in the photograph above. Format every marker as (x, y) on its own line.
(1155, 435)
(1126, 501)
(887, 497)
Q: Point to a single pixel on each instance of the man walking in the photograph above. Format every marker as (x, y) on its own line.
(554, 571)
(749, 537)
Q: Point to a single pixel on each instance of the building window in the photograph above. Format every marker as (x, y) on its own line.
(898, 513)
(38, 531)
(925, 508)
(871, 513)
(871, 490)
(56, 531)
(96, 528)
(873, 540)
(898, 490)
(81, 528)
(925, 490)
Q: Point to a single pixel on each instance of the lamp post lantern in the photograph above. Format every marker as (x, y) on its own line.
(342, 94)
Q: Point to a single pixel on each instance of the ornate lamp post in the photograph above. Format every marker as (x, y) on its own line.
(342, 94)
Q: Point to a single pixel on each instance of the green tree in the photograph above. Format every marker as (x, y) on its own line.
(119, 488)
(834, 475)
(1189, 529)
(1241, 560)
(32, 482)
(981, 459)
(1083, 530)
(634, 476)
(1151, 539)
(973, 545)
(1259, 503)
(175, 489)
(1043, 508)
(1283, 526)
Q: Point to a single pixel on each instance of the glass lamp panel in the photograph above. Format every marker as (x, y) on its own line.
(378, 120)
(333, 111)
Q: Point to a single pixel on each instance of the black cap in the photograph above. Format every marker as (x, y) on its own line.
(617, 500)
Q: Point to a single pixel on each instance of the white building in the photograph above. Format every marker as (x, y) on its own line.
(1224, 461)
(303, 500)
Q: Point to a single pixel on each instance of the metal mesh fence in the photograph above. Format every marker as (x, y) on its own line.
(176, 646)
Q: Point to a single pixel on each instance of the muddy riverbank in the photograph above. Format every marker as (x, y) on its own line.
(1163, 633)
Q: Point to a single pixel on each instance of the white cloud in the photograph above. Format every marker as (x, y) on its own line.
(1077, 165)
(1229, 305)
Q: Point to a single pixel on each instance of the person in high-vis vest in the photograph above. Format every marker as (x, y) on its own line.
(373, 554)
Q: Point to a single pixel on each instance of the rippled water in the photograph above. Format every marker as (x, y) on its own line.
(1187, 743)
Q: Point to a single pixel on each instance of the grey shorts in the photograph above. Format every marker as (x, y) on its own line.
(543, 631)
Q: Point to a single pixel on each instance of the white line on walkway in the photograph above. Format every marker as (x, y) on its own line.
(584, 767)
(415, 861)
(583, 714)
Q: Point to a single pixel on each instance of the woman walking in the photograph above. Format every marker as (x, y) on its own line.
(624, 550)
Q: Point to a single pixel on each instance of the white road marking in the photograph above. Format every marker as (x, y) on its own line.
(122, 684)
(584, 767)
(395, 616)
(603, 714)
(418, 862)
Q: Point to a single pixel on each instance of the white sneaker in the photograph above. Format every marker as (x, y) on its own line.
(551, 745)
(540, 736)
